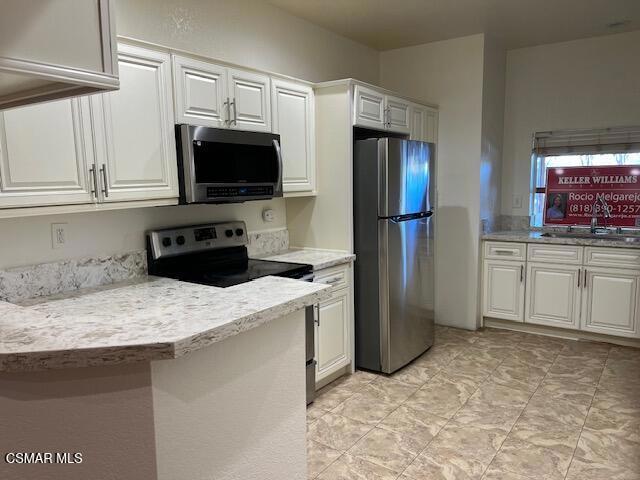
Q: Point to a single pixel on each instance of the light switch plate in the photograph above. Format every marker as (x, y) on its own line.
(517, 201)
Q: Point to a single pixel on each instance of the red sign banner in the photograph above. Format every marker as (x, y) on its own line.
(573, 193)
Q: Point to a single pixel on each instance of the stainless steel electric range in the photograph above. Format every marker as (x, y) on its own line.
(216, 254)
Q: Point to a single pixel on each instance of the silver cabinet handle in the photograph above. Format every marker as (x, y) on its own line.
(501, 251)
(387, 115)
(227, 104)
(235, 112)
(331, 280)
(584, 284)
(94, 180)
(579, 277)
(105, 182)
(521, 273)
(316, 314)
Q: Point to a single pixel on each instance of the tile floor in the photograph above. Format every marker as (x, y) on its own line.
(492, 405)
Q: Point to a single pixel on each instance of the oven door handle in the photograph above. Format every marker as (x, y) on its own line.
(276, 146)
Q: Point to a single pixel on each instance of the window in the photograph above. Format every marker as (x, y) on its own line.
(578, 148)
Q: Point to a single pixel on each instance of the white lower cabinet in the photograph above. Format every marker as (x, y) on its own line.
(583, 293)
(332, 334)
(503, 290)
(610, 301)
(334, 323)
(553, 295)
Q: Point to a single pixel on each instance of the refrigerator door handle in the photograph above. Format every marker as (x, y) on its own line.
(410, 216)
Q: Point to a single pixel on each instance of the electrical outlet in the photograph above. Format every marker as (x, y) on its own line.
(517, 201)
(268, 215)
(58, 235)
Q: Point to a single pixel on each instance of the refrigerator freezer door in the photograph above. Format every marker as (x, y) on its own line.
(406, 290)
(405, 176)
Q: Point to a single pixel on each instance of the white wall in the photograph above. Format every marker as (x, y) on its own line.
(593, 82)
(450, 74)
(492, 130)
(248, 32)
(240, 31)
(326, 221)
(27, 240)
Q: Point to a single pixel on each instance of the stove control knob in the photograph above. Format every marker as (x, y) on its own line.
(239, 232)
(180, 240)
(228, 233)
(166, 242)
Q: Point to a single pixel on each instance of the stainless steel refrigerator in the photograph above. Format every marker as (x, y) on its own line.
(394, 227)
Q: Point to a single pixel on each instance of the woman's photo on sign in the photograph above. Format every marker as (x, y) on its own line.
(556, 206)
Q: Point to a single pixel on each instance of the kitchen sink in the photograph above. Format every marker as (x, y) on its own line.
(616, 237)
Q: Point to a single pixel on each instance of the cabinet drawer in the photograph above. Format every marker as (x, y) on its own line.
(567, 254)
(505, 251)
(612, 257)
(337, 277)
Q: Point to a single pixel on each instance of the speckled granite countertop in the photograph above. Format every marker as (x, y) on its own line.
(318, 258)
(536, 237)
(153, 319)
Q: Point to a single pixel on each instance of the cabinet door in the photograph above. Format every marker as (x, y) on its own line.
(610, 301)
(332, 334)
(503, 289)
(293, 119)
(369, 108)
(135, 130)
(431, 125)
(200, 92)
(553, 295)
(417, 123)
(397, 114)
(45, 150)
(250, 101)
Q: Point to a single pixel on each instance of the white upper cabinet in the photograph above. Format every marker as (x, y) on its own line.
(135, 140)
(213, 95)
(294, 120)
(418, 121)
(200, 92)
(381, 111)
(369, 108)
(45, 150)
(431, 127)
(397, 111)
(610, 301)
(424, 123)
(250, 101)
(41, 60)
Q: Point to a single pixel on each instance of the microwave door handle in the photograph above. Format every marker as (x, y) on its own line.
(276, 145)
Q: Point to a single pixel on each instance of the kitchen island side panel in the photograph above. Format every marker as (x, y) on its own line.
(103, 413)
(235, 410)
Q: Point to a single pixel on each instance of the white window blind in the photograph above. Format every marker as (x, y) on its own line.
(587, 141)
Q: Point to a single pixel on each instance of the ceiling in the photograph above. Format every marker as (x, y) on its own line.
(388, 24)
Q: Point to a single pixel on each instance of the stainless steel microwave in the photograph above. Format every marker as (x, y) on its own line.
(217, 165)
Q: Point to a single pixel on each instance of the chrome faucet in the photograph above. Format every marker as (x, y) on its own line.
(594, 216)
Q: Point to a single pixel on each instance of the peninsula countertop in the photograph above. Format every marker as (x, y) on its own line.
(536, 237)
(153, 319)
(318, 258)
